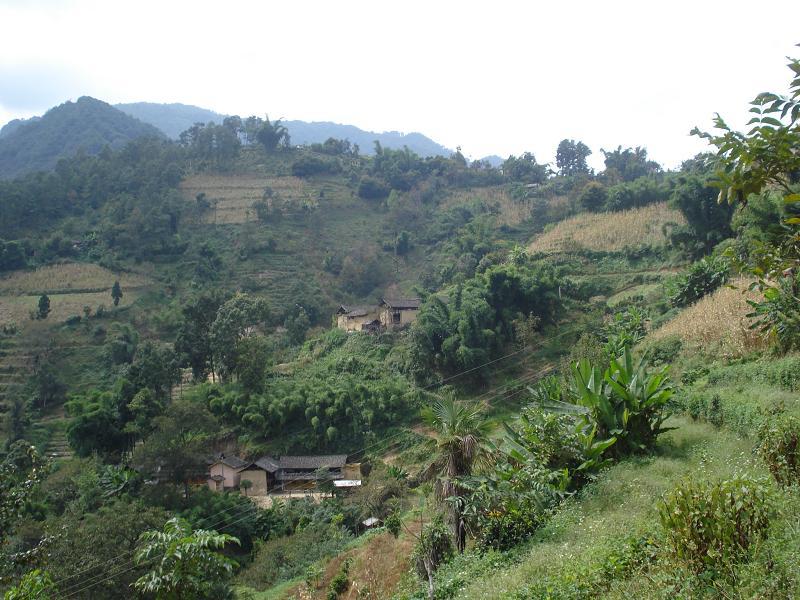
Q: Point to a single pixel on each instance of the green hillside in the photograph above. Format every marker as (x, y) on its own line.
(86, 125)
(594, 392)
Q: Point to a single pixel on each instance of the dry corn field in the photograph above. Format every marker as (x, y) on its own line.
(610, 232)
(17, 309)
(717, 323)
(236, 194)
(66, 277)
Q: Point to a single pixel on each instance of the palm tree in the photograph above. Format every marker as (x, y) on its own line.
(273, 134)
(461, 443)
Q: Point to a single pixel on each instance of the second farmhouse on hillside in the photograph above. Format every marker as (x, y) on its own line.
(391, 313)
(269, 475)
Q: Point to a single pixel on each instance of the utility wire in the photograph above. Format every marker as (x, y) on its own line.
(525, 378)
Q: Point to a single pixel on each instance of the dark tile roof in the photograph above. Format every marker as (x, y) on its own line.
(267, 463)
(354, 311)
(401, 303)
(333, 461)
(234, 462)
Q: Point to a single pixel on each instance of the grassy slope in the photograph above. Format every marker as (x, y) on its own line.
(621, 505)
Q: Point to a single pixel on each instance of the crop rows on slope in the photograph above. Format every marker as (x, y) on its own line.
(610, 232)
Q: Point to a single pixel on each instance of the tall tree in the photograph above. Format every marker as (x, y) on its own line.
(460, 443)
(179, 442)
(116, 293)
(43, 307)
(571, 158)
(628, 164)
(525, 169)
(237, 318)
(194, 336)
(708, 221)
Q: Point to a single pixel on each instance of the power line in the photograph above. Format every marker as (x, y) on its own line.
(507, 385)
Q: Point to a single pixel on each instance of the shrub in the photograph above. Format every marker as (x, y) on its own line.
(702, 278)
(593, 197)
(284, 558)
(310, 165)
(432, 550)
(393, 524)
(339, 583)
(779, 447)
(666, 350)
(371, 188)
(710, 526)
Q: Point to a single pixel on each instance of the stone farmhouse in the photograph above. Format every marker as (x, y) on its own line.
(391, 313)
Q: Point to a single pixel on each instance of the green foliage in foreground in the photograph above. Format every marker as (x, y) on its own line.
(35, 585)
(285, 558)
(779, 447)
(627, 401)
(713, 525)
(186, 565)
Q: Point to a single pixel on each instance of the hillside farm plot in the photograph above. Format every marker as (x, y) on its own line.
(510, 211)
(17, 309)
(68, 278)
(610, 232)
(717, 323)
(232, 196)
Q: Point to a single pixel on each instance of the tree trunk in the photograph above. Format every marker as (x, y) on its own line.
(429, 570)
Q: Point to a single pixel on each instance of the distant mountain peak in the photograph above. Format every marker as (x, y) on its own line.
(88, 124)
(172, 119)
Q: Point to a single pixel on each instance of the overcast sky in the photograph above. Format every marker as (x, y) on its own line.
(493, 77)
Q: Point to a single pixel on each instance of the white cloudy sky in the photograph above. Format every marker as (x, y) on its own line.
(495, 77)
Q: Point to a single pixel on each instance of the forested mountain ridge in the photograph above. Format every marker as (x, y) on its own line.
(86, 125)
(173, 119)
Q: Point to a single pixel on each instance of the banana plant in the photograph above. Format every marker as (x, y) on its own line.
(641, 395)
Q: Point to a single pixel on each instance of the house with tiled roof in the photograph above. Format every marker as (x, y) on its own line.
(398, 312)
(355, 318)
(391, 313)
(284, 474)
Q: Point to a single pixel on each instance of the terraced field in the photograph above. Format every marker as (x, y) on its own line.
(510, 211)
(232, 196)
(610, 232)
(17, 309)
(70, 287)
(67, 278)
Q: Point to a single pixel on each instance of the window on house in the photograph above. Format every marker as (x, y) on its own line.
(396, 316)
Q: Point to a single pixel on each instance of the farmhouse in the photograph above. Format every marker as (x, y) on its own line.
(391, 313)
(269, 475)
(397, 312)
(356, 318)
(223, 474)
